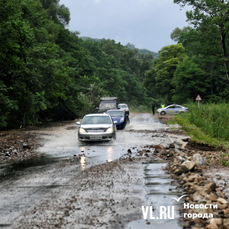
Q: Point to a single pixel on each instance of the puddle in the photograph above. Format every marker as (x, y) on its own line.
(9, 171)
(160, 194)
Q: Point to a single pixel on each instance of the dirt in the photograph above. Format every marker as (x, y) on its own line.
(165, 118)
(18, 146)
(106, 195)
(21, 144)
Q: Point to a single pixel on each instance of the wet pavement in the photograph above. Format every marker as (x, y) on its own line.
(29, 184)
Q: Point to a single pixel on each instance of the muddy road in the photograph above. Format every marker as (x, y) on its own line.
(91, 185)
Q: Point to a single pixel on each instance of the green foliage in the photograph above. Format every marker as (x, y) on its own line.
(188, 81)
(56, 12)
(159, 79)
(49, 73)
(177, 32)
(208, 124)
(120, 69)
(210, 18)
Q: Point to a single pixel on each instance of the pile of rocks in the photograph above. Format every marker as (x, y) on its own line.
(205, 205)
(18, 147)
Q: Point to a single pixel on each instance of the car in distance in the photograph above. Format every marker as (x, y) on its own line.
(123, 106)
(119, 117)
(97, 127)
(107, 103)
(172, 109)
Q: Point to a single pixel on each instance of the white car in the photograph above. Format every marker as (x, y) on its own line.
(172, 109)
(124, 107)
(97, 127)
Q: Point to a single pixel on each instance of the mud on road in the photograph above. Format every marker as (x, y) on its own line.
(97, 185)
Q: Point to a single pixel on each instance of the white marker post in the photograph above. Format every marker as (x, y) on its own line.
(198, 98)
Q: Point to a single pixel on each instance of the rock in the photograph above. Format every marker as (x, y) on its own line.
(216, 221)
(186, 167)
(211, 226)
(172, 145)
(212, 197)
(27, 146)
(180, 160)
(197, 197)
(210, 187)
(192, 178)
(198, 159)
(158, 147)
(226, 213)
(226, 223)
(221, 206)
(183, 146)
(222, 201)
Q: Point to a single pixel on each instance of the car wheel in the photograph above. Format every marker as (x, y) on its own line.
(162, 113)
(181, 112)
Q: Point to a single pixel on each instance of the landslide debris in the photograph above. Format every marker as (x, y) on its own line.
(18, 147)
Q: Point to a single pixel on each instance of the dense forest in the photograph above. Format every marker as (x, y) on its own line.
(198, 63)
(49, 73)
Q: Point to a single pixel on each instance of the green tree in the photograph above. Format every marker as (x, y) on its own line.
(201, 51)
(211, 17)
(189, 81)
(159, 78)
(58, 13)
(176, 33)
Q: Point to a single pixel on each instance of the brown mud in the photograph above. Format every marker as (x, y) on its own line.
(109, 195)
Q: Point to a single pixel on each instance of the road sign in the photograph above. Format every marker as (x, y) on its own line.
(198, 98)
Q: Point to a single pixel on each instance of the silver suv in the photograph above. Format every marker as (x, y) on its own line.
(123, 106)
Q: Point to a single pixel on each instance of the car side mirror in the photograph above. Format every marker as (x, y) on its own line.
(97, 108)
(115, 122)
(77, 123)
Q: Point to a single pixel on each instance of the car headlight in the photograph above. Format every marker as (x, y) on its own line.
(109, 130)
(122, 120)
(82, 130)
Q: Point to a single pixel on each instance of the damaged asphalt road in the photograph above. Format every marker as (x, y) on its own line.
(90, 185)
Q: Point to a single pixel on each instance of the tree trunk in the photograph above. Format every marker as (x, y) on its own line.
(225, 58)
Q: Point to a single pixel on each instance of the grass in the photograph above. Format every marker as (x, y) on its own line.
(207, 124)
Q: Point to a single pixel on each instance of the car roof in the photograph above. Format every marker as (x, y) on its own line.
(116, 110)
(122, 104)
(175, 105)
(97, 114)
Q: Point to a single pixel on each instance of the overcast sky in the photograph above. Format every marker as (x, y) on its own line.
(144, 23)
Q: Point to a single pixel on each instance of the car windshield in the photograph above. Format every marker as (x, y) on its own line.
(116, 113)
(88, 120)
(122, 106)
(107, 106)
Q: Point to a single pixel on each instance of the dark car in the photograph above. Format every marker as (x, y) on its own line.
(107, 103)
(118, 116)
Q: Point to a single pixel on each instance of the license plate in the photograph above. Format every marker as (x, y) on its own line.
(96, 137)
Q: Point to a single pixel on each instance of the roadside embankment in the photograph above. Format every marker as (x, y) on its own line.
(199, 172)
